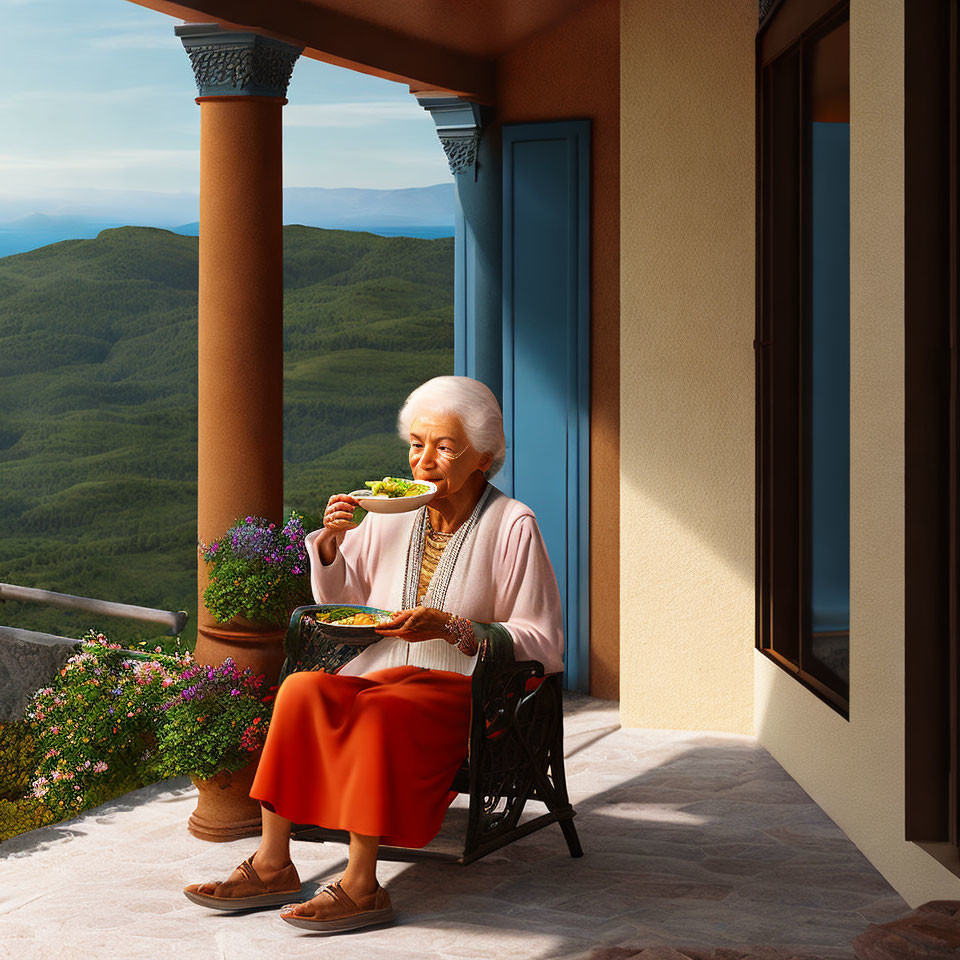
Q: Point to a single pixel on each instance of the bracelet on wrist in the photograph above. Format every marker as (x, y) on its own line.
(459, 633)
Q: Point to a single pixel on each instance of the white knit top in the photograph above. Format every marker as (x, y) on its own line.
(494, 570)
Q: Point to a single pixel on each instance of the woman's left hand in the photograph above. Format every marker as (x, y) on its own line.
(420, 623)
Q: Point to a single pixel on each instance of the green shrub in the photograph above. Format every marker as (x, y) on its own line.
(22, 815)
(18, 751)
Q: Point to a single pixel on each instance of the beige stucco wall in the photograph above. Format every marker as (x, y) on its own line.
(687, 364)
(854, 769)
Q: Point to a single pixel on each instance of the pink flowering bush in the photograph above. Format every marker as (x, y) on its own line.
(95, 727)
(113, 721)
(258, 572)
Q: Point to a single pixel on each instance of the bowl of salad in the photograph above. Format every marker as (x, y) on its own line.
(394, 495)
(348, 623)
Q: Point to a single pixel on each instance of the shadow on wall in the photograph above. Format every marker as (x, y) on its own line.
(690, 455)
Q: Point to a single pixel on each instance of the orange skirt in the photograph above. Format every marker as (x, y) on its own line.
(374, 754)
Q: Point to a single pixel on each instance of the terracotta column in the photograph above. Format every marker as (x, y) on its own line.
(242, 78)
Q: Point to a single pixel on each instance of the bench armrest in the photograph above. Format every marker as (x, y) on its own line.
(506, 692)
(308, 648)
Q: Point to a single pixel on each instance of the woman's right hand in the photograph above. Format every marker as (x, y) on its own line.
(338, 515)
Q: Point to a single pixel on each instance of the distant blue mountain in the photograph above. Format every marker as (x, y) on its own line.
(413, 212)
(38, 230)
(349, 209)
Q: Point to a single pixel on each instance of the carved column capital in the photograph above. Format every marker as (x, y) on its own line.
(459, 127)
(237, 62)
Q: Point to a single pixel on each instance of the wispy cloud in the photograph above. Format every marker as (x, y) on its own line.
(429, 154)
(112, 95)
(100, 160)
(136, 40)
(365, 113)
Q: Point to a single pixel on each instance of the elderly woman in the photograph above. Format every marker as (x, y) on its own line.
(374, 748)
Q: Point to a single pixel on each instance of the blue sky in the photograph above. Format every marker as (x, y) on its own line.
(97, 97)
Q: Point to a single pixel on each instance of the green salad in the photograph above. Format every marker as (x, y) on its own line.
(396, 487)
(352, 617)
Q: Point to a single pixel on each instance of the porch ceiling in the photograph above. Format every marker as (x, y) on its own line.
(429, 44)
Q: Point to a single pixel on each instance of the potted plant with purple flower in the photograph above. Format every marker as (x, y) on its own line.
(213, 726)
(214, 719)
(258, 573)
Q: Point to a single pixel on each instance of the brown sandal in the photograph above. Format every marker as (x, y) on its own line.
(249, 891)
(343, 913)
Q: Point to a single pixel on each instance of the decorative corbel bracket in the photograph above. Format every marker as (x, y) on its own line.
(237, 62)
(459, 126)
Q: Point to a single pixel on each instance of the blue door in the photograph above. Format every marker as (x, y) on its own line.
(546, 340)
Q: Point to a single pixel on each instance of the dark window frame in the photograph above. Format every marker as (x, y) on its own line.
(931, 423)
(782, 542)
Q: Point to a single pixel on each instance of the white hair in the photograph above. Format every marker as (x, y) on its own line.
(472, 402)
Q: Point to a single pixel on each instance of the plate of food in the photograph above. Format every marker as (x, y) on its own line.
(350, 623)
(394, 495)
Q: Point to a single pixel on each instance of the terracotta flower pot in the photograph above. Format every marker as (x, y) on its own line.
(225, 811)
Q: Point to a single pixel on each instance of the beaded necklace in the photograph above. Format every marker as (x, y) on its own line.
(433, 547)
(440, 581)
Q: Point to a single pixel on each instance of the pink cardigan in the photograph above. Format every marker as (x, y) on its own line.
(502, 575)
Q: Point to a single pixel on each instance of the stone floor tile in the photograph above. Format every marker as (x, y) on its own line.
(796, 951)
(639, 865)
(655, 794)
(731, 866)
(765, 791)
(641, 843)
(789, 895)
(695, 931)
(809, 928)
(758, 847)
(825, 837)
(884, 909)
(763, 816)
(709, 785)
(839, 877)
(689, 838)
(698, 835)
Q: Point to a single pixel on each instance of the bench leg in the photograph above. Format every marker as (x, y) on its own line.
(570, 835)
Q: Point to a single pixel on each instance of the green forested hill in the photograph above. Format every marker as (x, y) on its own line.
(98, 400)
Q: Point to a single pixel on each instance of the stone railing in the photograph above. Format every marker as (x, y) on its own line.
(29, 659)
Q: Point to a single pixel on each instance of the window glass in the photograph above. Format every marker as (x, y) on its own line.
(826, 409)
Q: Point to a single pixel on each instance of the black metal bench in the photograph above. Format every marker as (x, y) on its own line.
(514, 751)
